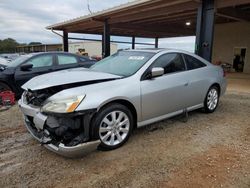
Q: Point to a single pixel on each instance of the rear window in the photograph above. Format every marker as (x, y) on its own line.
(193, 63)
(66, 59)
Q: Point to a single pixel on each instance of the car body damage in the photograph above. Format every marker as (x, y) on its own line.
(72, 111)
(37, 97)
(78, 76)
(58, 132)
(58, 129)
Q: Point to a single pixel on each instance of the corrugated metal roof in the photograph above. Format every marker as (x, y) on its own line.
(99, 13)
(146, 18)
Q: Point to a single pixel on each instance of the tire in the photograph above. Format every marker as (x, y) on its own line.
(212, 99)
(4, 87)
(113, 125)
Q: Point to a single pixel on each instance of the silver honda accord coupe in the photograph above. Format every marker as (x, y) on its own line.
(73, 111)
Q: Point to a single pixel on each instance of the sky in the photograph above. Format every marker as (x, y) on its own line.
(25, 20)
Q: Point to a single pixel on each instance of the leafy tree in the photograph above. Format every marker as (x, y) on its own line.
(8, 45)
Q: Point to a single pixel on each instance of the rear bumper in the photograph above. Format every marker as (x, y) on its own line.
(223, 87)
(36, 129)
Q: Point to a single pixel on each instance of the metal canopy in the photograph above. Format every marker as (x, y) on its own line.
(159, 19)
(143, 18)
(150, 18)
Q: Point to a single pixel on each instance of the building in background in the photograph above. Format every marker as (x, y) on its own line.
(232, 44)
(38, 48)
(92, 48)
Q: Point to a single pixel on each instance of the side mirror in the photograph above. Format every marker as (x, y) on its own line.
(26, 67)
(156, 72)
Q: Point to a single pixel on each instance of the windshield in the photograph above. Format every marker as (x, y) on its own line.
(18, 61)
(123, 63)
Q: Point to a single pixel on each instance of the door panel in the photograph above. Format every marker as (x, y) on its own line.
(197, 80)
(197, 86)
(41, 64)
(163, 95)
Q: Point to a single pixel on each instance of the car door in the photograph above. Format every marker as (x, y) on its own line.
(197, 80)
(165, 94)
(42, 64)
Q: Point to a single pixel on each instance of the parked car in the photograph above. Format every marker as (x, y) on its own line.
(15, 73)
(129, 89)
(3, 60)
(10, 57)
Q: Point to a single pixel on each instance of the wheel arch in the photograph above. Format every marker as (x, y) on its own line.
(3, 82)
(126, 103)
(216, 85)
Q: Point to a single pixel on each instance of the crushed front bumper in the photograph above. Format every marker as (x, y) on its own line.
(36, 129)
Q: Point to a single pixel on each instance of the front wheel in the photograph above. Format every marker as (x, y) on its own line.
(212, 99)
(113, 126)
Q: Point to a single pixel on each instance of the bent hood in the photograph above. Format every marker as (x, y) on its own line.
(70, 76)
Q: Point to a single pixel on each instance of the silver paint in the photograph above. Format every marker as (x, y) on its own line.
(153, 99)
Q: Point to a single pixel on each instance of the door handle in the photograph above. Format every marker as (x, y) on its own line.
(186, 84)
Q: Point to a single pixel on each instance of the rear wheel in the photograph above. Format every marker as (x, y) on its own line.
(212, 99)
(113, 126)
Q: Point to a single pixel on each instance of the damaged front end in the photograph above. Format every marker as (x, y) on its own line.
(67, 134)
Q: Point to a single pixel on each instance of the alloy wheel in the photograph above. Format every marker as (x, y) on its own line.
(212, 99)
(114, 128)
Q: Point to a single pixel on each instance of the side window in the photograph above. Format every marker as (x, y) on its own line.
(193, 63)
(41, 61)
(66, 59)
(170, 62)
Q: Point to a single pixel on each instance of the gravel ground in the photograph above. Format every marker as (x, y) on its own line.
(209, 150)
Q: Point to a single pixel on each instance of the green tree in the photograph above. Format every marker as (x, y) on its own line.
(8, 45)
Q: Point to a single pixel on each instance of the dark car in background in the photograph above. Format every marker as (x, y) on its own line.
(10, 57)
(14, 74)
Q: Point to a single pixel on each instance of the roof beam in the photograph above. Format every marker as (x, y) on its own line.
(156, 4)
(156, 29)
(155, 13)
(234, 14)
(168, 17)
(230, 3)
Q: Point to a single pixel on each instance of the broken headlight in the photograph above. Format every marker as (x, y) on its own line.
(66, 105)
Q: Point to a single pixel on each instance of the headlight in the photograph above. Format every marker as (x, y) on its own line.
(66, 105)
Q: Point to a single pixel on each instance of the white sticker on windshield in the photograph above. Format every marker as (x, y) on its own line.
(136, 58)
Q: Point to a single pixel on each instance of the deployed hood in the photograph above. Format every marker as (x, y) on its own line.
(70, 76)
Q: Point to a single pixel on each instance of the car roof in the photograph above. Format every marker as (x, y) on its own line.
(157, 50)
(52, 52)
(170, 50)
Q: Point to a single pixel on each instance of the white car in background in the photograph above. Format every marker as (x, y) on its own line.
(3, 61)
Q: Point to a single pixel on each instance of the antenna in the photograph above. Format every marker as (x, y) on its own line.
(89, 7)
